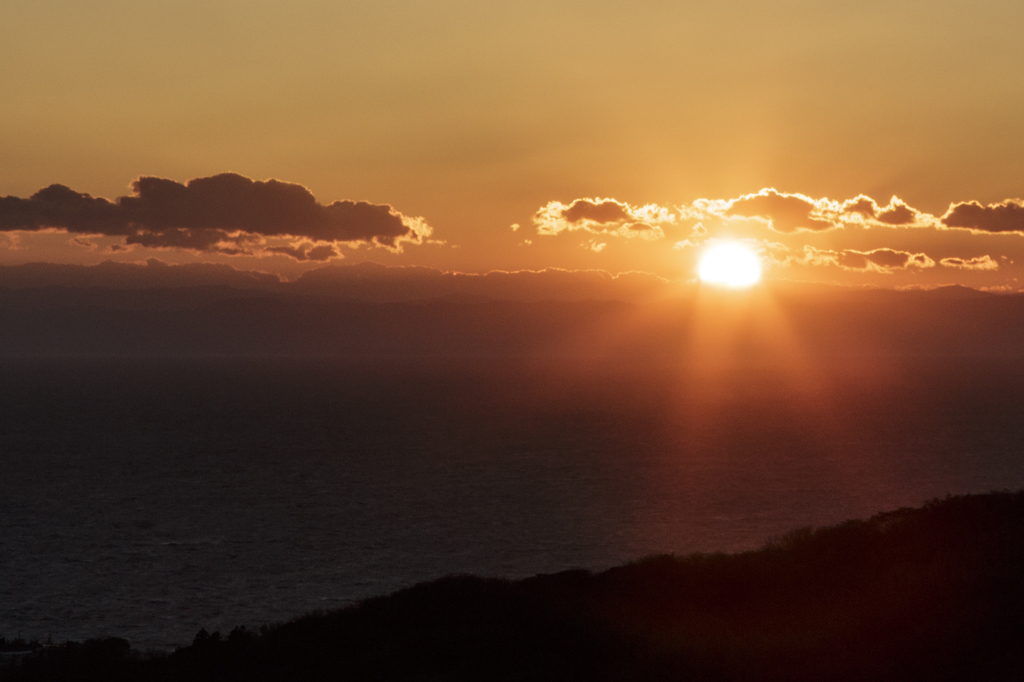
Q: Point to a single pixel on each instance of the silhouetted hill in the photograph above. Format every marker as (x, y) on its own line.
(153, 274)
(935, 593)
(378, 283)
(368, 282)
(296, 319)
(218, 321)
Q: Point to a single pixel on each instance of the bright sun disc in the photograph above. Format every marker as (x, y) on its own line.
(730, 264)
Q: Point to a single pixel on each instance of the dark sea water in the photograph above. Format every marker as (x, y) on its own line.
(149, 498)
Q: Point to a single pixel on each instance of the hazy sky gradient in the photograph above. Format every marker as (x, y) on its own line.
(473, 116)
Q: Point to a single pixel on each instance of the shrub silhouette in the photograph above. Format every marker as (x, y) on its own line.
(935, 593)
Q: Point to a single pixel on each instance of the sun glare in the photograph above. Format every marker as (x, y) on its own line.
(731, 265)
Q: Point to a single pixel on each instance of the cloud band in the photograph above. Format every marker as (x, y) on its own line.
(226, 213)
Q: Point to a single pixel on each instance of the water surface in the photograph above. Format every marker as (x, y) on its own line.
(148, 498)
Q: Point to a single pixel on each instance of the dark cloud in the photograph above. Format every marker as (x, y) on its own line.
(60, 206)
(786, 212)
(897, 213)
(196, 239)
(320, 253)
(882, 259)
(862, 205)
(603, 216)
(305, 252)
(227, 213)
(606, 211)
(1005, 217)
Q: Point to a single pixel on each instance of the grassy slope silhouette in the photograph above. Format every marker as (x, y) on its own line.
(935, 593)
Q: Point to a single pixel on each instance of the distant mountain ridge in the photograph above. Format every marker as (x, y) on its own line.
(368, 281)
(368, 309)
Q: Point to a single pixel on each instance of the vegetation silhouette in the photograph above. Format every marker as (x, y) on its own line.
(935, 593)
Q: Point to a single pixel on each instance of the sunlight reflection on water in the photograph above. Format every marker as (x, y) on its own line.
(148, 499)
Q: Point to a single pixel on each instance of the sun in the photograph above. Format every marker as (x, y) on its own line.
(731, 265)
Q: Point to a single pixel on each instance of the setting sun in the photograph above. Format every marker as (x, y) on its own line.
(730, 264)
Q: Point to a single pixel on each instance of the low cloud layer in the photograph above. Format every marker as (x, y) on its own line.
(858, 240)
(305, 251)
(788, 213)
(783, 212)
(896, 213)
(977, 263)
(225, 213)
(1007, 216)
(883, 260)
(797, 236)
(597, 211)
(780, 212)
(603, 216)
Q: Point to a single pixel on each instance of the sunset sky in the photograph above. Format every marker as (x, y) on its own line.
(868, 143)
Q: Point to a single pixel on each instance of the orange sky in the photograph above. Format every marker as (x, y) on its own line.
(475, 118)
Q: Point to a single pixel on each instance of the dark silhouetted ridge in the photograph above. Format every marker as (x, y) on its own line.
(935, 593)
(288, 320)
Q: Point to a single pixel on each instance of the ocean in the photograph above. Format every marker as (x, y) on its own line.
(149, 498)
